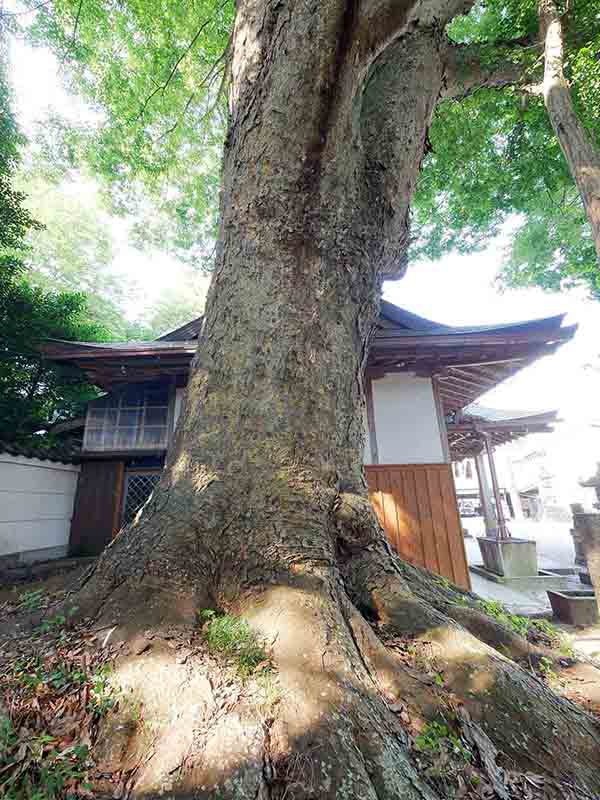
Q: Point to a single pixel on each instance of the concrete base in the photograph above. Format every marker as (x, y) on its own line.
(39, 571)
(24, 557)
(545, 579)
(511, 558)
(575, 608)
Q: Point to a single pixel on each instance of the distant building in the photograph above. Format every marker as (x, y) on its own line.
(539, 477)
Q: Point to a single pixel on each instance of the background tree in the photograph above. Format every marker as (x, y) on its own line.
(73, 251)
(262, 508)
(32, 393)
(462, 197)
(178, 304)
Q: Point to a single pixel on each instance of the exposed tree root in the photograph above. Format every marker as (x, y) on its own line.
(525, 720)
(358, 640)
(330, 718)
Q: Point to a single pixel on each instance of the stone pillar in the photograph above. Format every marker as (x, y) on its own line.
(503, 532)
(587, 531)
(485, 496)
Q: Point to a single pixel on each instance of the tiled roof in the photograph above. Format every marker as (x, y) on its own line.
(66, 453)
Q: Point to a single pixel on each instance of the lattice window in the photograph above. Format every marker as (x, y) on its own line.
(138, 488)
(135, 419)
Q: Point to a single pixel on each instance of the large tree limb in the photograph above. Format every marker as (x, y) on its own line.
(399, 99)
(468, 68)
(582, 156)
(383, 21)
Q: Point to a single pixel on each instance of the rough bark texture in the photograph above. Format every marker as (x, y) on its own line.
(581, 154)
(263, 509)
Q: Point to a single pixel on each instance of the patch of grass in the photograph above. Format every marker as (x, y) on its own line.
(533, 629)
(437, 737)
(499, 612)
(233, 638)
(32, 601)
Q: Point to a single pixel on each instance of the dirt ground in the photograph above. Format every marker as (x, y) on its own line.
(53, 586)
(56, 694)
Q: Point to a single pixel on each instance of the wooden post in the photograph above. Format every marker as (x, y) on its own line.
(503, 532)
(439, 409)
(371, 420)
(485, 495)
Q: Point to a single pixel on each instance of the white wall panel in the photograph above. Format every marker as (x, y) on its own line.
(36, 505)
(406, 421)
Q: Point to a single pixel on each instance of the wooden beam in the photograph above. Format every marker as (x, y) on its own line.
(464, 398)
(118, 507)
(507, 426)
(473, 385)
(471, 375)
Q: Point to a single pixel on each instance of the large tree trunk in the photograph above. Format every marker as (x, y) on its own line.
(581, 153)
(262, 509)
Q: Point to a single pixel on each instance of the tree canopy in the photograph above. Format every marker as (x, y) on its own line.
(156, 79)
(494, 155)
(32, 393)
(155, 73)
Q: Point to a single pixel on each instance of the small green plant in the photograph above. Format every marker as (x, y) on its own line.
(36, 767)
(52, 623)
(500, 613)
(232, 637)
(32, 601)
(546, 667)
(32, 673)
(437, 737)
(56, 622)
(103, 696)
(270, 691)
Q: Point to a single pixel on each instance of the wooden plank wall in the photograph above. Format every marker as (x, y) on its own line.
(97, 511)
(416, 505)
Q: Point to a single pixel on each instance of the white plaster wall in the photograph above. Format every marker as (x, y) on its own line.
(36, 506)
(406, 421)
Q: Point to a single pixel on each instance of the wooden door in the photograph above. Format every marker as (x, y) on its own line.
(416, 505)
(97, 511)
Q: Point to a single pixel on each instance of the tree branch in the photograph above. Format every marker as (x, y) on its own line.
(77, 18)
(467, 68)
(383, 21)
(27, 11)
(162, 87)
(207, 83)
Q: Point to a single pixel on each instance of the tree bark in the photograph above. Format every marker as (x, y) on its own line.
(582, 155)
(262, 509)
